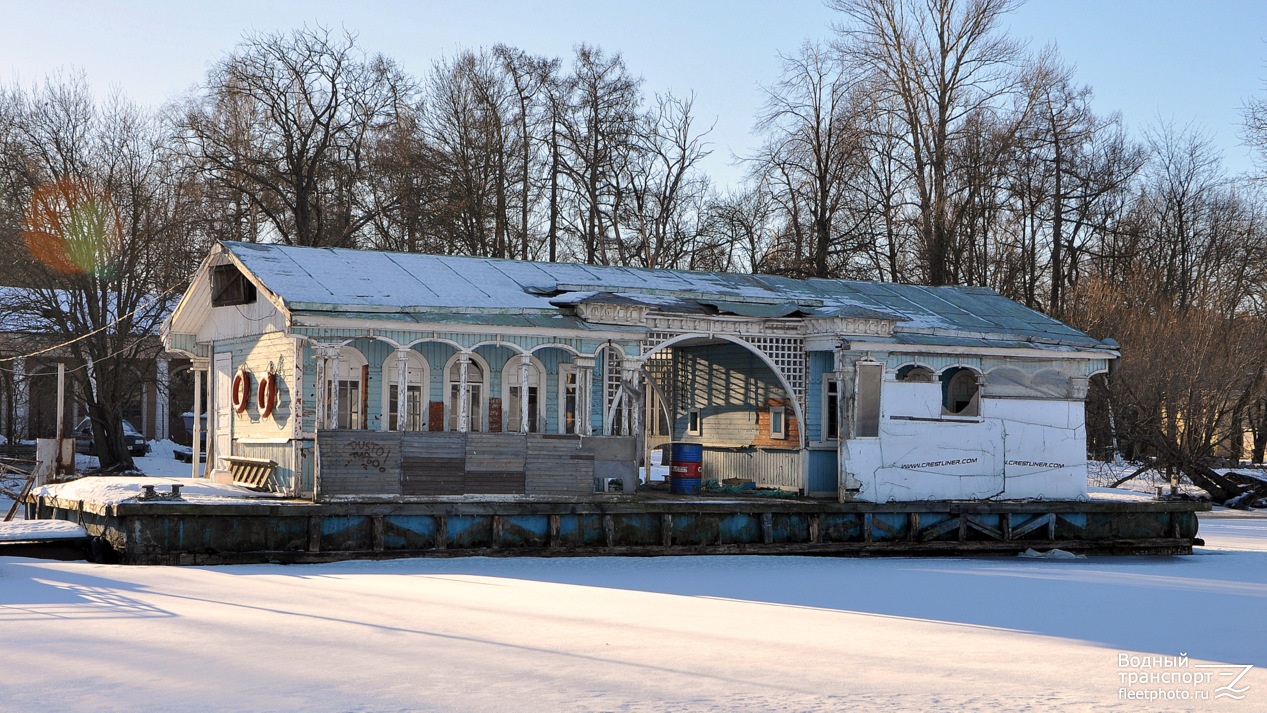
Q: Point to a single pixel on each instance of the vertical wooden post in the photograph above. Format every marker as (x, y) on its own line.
(402, 389)
(196, 445)
(464, 391)
(525, 361)
(332, 361)
(162, 394)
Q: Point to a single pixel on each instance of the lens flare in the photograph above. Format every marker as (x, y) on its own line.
(73, 227)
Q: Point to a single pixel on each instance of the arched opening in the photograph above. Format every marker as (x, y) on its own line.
(418, 378)
(961, 392)
(790, 402)
(916, 374)
(477, 390)
(513, 395)
(346, 384)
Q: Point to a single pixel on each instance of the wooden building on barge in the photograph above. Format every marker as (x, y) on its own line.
(367, 374)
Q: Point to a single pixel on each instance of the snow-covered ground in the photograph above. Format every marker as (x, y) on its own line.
(677, 633)
(642, 634)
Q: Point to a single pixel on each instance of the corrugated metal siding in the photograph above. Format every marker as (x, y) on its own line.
(773, 468)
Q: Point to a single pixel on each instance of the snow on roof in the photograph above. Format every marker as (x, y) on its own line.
(334, 279)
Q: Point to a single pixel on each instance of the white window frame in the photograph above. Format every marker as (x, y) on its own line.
(450, 406)
(829, 385)
(510, 379)
(856, 430)
(352, 365)
(391, 375)
(697, 417)
(780, 433)
(566, 370)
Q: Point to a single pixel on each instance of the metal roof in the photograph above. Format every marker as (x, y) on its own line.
(381, 283)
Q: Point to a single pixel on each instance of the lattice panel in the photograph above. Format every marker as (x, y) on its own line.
(788, 354)
(612, 359)
(654, 339)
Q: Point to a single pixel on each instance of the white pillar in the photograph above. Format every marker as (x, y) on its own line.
(332, 365)
(631, 376)
(464, 391)
(197, 366)
(584, 394)
(21, 400)
(162, 400)
(525, 362)
(402, 389)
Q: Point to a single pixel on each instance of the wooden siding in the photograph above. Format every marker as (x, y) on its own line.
(734, 391)
(820, 366)
(419, 464)
(257, 353)
(823, 473)
(281, 453)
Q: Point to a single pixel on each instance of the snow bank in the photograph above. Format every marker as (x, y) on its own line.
(633, 634)
(21, 530)
(112, 490)
(1118, 494)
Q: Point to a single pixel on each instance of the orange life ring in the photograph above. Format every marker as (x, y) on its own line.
(241, 391)
(266, 396)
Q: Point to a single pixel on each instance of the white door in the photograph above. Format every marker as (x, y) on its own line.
(223, 366)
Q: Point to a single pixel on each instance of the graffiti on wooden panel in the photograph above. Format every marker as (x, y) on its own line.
(369, 455)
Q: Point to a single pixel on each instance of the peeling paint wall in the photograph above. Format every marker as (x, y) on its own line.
(1018, 448)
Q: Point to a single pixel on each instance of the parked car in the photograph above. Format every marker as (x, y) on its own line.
(84, 440)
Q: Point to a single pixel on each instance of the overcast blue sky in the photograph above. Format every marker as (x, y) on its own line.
(1191, 62)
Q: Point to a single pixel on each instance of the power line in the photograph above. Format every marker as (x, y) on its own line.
(100, 329)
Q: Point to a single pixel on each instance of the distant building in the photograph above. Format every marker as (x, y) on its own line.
(855, 390)
(28, 384)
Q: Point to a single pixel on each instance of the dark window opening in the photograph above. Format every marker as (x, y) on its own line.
(230, 287)
(831, 411)
(960, 393)
(867, 400)
(916, 374)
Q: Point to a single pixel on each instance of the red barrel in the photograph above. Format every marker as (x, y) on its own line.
(684, 470)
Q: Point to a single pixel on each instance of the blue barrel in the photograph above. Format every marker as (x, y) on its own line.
(684, 473)
(684, 486)
(686, 453)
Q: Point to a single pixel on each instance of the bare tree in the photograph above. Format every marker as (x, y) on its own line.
(937, 65)
(811, 155)
(103, 247)
(664, 187)
(286, 121)
(596, 137)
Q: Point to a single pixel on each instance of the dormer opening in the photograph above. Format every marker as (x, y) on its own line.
(230, 287)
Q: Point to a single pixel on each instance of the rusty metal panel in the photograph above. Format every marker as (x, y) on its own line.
(524, 531)
(695, 529)
(581, 530)
(739, 529)
(409, 532)
(467, 531)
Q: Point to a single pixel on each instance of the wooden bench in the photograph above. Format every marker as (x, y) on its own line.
(254, 473)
